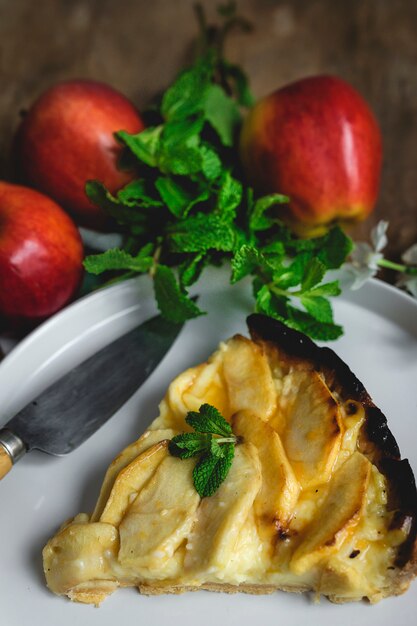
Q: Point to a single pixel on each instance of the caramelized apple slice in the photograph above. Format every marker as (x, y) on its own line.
(191, 389)
(131, 480)
(148, 439)
(311, 427)
(339, 513)
(221, 517)
(278, 495)
(160, 517)
(248, 378)
(81, 553)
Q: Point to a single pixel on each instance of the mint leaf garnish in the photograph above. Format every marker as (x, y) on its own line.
(190, 270)
(222, 113)
(245, 261)
(212, 469)
(178, 200)
(230, 196)
(209, 420)
(313, 274)
(318, 307)
(200, 233)
(174, 303)
(214, 441)
(116, 259)
(144, 145)
(189, 206)
(189, 444)
(258, 219)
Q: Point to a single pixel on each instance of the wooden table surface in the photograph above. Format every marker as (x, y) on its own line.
(138, 45)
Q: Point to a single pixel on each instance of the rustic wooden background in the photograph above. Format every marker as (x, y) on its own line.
(138, 45)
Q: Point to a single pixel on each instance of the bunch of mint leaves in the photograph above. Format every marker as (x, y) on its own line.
(190, 208)
(212, 440)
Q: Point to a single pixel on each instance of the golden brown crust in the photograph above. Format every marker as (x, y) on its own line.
(151, 590)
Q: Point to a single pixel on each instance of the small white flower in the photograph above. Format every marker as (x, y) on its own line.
(410, 256)
(365, 258)
(379, 236)
(409, 283)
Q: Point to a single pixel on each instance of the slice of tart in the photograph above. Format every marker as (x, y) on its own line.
(317, 497)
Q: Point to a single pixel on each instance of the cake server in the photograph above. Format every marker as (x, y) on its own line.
(69, 411)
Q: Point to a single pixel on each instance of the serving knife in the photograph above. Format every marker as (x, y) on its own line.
(69, 411)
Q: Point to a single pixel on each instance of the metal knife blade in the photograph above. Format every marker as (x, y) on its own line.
(76, 405)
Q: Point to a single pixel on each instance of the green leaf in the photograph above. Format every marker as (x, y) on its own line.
(291, 275)
(200, 233)
(183, 131)
(318, 307)
(271, 304)
(263, 300)
(222, 113)
(230, 196)
(218, 453)
(117, 259)
(257, 219)
(136, 216)
(335, 248)
(245, 261)
(145, 145)
(190, 444)
(313, 274)
(211, 470)
(216, 448)
(190, 270)
(332, 249)
(181, 159)
(134, 194)
(211, 165)
(174, 304)
(275, 248)
(308, 325)
(326, 289)
(174, 195)
(99, 195)
(209, 420)
(186, 96)
(178, 200)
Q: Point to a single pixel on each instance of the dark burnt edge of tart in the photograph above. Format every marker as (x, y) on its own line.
(403, 500)
(383, 449)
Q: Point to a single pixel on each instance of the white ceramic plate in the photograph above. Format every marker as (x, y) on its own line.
(380, 345)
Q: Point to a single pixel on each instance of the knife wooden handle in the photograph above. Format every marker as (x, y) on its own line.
(5, 462)
(12, 449)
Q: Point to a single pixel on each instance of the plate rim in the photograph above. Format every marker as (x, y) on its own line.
(103, 293)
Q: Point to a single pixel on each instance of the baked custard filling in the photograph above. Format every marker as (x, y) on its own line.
(306, 504)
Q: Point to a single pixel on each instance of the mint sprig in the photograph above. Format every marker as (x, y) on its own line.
(190, 207)
(212, 440)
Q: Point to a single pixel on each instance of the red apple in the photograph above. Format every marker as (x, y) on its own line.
(41, 256)
(317, 141)
(67, 138)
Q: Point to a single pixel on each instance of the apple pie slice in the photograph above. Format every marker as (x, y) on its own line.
(316, 498)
